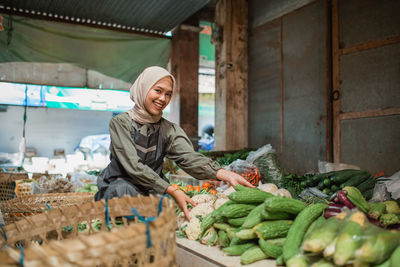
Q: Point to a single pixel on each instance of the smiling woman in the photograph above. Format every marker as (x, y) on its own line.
(141, 138)
(159, 96)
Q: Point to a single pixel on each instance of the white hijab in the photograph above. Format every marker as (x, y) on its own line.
(139, 90)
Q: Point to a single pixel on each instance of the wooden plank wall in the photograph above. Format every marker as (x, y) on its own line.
(366, 56)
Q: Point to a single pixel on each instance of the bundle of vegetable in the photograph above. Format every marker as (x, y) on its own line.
(331, 182)
(88, 188)
(228, 158)
(382, 214)
(295, 183)
(347, 239)
(190, 190)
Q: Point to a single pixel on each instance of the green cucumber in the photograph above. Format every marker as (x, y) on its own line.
(250, 197)
(236, 210)
(251, 255)
(284, 204)
(236, 222)
(342, 176)
(237, 250)
(273, 229)
(357, 179)
(367, 184)
(300, 225)
(266, 215)
(223, 239)
(254, 217)
(269, 249)
(246, 234)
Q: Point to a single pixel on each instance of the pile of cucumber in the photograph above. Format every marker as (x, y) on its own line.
(333, 181)
(348, 239)
(257, 225)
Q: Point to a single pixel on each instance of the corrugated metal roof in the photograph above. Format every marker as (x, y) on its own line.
(153, 16)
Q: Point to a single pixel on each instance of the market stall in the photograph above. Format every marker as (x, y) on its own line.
(306, 110)
(339, 216)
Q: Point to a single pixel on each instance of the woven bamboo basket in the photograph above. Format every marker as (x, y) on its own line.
(15, 209)
(126, 245)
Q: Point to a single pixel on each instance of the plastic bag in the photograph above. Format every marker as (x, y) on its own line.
(80, 179)
(393, 185)
(51, 184)
(240, 166)
(266, 161)
(312, 192)
(246, 169)
(324, 166)
(380, 193)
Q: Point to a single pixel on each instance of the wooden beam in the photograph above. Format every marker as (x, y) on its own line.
(328, 81)
(336, 81)
(370, 45)
(370, 113)
(231, 131)
(185, 67)
(281, 90)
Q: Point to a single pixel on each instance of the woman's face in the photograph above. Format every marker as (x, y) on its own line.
(159, 96)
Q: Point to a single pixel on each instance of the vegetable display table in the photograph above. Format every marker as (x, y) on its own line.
(191, 253)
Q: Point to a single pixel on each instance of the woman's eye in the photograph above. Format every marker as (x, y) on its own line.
(158, 90)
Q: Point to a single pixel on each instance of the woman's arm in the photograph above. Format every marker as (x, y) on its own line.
(181, 151)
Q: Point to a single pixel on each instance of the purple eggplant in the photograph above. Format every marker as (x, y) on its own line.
(342, 197)
(330, 213)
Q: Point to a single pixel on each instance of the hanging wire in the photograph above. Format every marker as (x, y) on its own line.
(23, 129)
(9, 30)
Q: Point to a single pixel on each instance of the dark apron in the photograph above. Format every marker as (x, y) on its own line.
(113, 181)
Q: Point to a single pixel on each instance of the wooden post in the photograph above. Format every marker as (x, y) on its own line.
(231, 96)
(336, 82)
(185, 68)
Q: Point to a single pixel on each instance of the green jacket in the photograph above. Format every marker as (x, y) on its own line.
(178, 149)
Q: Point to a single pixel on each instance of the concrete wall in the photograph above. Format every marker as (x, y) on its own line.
(50, 128)
(57, 74)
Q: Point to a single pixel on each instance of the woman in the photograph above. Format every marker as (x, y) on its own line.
(141, 138)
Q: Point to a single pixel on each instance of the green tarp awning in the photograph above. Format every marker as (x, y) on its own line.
(116, 54)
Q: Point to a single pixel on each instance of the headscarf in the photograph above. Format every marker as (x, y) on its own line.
(139, 90)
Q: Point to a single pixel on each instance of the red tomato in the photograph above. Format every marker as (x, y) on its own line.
(206, 186)
(197, 188)
(189, 188)
(213, 192)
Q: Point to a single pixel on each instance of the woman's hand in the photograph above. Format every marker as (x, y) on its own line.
(232, 178)
(181, 199)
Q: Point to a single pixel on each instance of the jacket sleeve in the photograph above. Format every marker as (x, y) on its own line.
(123, 149)
(180, 150)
